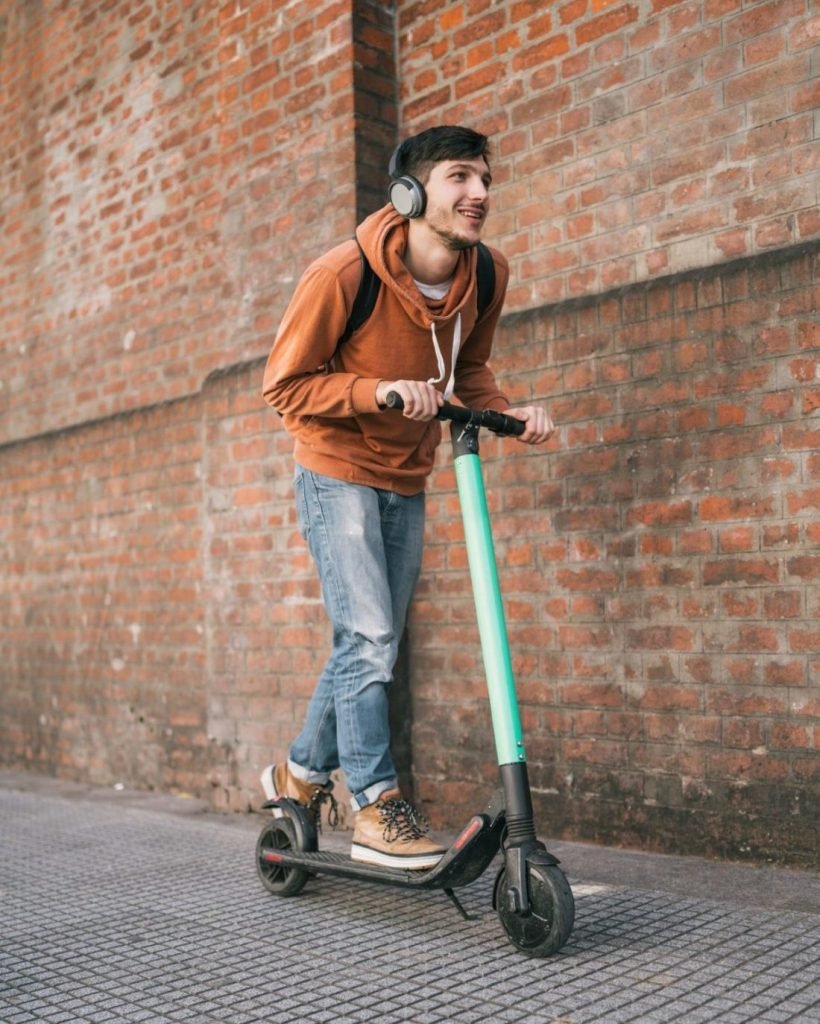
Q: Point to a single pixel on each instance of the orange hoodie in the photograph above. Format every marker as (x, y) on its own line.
(326, 391)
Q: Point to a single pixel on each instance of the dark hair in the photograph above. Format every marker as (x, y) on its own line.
(418, 154)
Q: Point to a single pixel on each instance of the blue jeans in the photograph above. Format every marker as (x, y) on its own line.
(367, 545)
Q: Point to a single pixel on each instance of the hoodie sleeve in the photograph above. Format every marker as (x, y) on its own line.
(297, 380)
(475, 383)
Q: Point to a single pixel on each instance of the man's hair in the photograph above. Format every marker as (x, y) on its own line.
(418, 154)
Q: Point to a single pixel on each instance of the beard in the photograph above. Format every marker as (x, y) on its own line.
(456, 244)
(443, 224)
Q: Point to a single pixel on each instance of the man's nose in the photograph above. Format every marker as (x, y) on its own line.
(478, 188)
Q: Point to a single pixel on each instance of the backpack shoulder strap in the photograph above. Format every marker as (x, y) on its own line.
(485, 278)
(365, 298)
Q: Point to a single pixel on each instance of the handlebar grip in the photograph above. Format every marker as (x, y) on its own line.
(500, 423)
(497, 422)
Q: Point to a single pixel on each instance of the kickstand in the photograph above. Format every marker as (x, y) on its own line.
(455, 901)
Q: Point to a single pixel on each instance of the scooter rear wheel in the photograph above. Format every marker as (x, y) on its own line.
(549, 924)
(282, 880)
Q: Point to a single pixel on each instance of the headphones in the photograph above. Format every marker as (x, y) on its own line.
(405, 192)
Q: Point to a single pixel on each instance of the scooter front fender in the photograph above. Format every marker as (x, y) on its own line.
(515, 894)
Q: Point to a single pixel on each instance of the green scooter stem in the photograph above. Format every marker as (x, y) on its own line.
(487, 594)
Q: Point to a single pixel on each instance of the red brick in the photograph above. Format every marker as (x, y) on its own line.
(739, 538)
(783, 604)
(720, 509)
(595, 28)
(677, 698)
(792, 673)
(762, 19)
(661, 514)
(751, 571)
(804, 567)
(791, 737)
(745, 766)
(746, 87)
(573, 10)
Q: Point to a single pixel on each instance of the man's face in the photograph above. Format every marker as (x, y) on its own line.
(458, 199)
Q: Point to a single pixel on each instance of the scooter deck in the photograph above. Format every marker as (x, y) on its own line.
(464, 862)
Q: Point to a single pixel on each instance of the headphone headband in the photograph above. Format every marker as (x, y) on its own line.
(393, 166)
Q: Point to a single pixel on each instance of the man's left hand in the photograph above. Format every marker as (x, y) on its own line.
(539, 428)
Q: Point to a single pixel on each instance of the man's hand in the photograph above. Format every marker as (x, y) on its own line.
(540, 427)
(421, 400)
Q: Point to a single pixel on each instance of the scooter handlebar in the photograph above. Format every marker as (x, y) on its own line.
(497, 422)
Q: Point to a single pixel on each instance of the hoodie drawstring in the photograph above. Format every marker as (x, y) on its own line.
(448, 391)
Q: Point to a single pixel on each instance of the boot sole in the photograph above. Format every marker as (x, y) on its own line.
(269, 786)
(409, 862)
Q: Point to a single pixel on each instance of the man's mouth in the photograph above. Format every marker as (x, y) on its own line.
(471, 213)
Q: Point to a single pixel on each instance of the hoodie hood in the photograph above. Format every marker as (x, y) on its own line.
(325, 390)
(383, 237)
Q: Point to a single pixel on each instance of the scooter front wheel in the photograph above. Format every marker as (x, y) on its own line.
(547, 927)
(280, 879)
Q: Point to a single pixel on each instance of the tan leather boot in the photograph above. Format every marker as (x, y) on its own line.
(278, 781)
(391, 833)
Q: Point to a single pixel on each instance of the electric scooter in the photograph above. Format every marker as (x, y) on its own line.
(532, 897)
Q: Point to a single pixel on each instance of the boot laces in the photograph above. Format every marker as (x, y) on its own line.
(401, 821)
(315, 807)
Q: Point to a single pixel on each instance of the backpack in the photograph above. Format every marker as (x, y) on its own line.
(369, 289)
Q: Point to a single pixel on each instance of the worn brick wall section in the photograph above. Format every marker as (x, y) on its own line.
(154, 607)
(660, 571)
(632, 139)
(101, 623)
(166, 169)
(265, 625)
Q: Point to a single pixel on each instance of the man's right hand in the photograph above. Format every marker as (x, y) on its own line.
(421, 400)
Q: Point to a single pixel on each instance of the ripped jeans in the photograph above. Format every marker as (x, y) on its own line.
(367, 545)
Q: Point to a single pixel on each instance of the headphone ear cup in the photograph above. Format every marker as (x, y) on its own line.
(407, 196)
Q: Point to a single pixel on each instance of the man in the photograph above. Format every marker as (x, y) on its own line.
(361, 471)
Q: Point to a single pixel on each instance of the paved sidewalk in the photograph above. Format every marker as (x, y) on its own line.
(117, 906)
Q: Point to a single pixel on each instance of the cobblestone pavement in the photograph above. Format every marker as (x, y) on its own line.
(118, 909)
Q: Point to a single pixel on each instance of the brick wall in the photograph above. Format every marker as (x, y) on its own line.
(169, 169)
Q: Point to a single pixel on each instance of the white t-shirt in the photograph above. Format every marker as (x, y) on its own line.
(433, 291)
